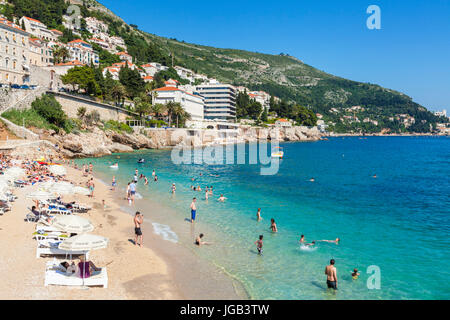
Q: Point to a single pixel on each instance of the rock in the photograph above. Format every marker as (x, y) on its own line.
(119, 148)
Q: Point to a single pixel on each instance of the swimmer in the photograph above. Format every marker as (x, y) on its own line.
(199, 241)
(273, 225)
(145, 180)
(312, 180)
(302, 239)
(222, 198)
(331, 241)
(374, 176)
(355, 274)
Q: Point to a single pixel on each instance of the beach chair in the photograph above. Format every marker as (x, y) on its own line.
(40, 235)
(50, 248)
(55, 274)
(58, 210)
(31, 217)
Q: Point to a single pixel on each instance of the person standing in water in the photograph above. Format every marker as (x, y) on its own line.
(258, 215)
(153, 174)
(174, 189)
(145, 180)
(206, 194)
(331, 273)
(114, 183)
(259, 244)
(273, 225)
(193, 209)
(222, 198)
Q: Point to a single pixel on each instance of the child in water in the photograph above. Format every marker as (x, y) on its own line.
(259, 244)
(355, 274)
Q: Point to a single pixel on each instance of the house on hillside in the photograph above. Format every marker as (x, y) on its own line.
(37, 28)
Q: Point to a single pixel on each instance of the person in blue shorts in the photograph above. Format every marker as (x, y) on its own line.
(193, 209)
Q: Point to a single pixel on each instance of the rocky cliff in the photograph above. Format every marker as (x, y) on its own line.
(96, 142)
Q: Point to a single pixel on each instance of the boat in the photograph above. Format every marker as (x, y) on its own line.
(114, 166)
(141, 160)
(278, 153)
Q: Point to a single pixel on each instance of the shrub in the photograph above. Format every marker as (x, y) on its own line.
(118, 126)
(50, 109)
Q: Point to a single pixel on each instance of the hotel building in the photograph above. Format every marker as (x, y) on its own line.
(220, 101)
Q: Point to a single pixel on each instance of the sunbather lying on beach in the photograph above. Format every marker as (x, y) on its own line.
(86, 268)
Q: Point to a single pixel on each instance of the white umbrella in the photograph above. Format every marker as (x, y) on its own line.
(72, 224)
(15, 172)
(62, 187)
(84, 242)
(82, 191)
(47, 185)
(40, 195)
(58, 170)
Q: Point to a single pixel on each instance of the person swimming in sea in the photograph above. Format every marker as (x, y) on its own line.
(330, 241)
(312, 180)
(222, 198)
(199, 242)
(355, 274)
(374, 176)
(302, 239)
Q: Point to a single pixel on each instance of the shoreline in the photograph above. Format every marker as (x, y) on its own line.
(202, 284)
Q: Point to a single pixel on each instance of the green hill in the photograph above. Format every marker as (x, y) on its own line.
(280, 75)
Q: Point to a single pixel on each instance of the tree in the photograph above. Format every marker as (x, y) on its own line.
(81, 112)
(118, 92)
(81, 78)
(51, 110)
(132, 81)
(60, 54)
(158, 109)
(171, 107)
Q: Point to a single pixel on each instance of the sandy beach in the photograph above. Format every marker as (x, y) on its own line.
(159, 270)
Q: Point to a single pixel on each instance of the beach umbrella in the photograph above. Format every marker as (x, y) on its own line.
(58, 170)
(40, 195)
(72, 224)
(84, 242)
(81, 190)
(15, 172)
(3, 197)
(47, 185)
(62, 187)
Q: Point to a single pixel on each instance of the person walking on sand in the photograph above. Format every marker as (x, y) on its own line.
(127, 196)
(138, 220)
(91, 186)
(259, 244)
(331, 273)
(258, 215)
(193, 209)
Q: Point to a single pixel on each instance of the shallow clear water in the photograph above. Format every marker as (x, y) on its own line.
(399, 221)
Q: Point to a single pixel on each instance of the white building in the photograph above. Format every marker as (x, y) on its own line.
(262, 97)
(95, 26)
(37, 28)
(124, 56)
(83, 52)
(191, 103)
(442, 113)
(220, 101)
(283, 123)
(14, 53)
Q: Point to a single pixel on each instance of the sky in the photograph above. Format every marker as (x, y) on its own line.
(410, 53)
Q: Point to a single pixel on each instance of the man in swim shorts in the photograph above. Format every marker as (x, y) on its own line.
(331, 273)
(193, 210)
(138, 220)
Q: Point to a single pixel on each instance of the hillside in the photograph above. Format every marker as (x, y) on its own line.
(280, 75)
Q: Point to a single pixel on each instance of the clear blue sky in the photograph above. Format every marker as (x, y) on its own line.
(411, 52)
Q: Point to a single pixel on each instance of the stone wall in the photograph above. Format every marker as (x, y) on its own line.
(19, 131)
(70, 105)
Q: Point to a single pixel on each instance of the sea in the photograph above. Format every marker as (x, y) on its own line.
(386, 198)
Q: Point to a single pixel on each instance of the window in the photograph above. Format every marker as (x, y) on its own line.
(6, 49)
(14, 64)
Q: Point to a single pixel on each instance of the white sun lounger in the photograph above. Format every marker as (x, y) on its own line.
(51, 249)
(56, 275)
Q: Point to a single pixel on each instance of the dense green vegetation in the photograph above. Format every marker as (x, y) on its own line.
(247, 108)
(45, 113)
(49, 12)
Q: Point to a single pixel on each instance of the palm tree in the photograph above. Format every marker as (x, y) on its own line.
(171, 106)
(158, 109)
(178, 112)
(118, 92)
(61, 54)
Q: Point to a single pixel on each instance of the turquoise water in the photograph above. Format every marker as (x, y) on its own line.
(399, 221)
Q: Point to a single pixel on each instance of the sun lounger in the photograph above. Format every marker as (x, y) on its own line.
(50, 235)
(56, 275)
(58, 211)
(31, 217)
(51, 248)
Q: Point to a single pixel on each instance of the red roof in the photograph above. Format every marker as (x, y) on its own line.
(282, 120)
(79, 41)
(167, 89)
(28, 18)
(71, 63)
(122, 54)
(148, 78)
